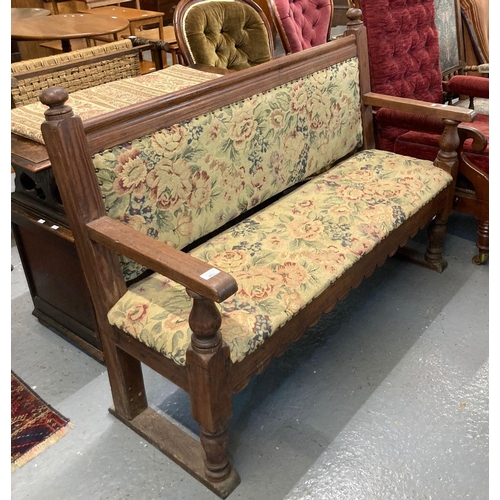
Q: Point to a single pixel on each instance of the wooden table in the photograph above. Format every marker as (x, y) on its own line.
(66, 27)
(135, 17)
(23, 13)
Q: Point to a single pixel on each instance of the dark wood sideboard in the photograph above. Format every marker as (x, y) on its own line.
(50, 261)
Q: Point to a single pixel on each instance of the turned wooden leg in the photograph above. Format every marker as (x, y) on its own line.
(217, 465)
(483, 243)
(211, 397)
(434, 252)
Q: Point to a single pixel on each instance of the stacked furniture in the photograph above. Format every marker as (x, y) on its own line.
(475, 18)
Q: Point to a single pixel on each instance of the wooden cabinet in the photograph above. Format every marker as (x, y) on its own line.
(50, 261)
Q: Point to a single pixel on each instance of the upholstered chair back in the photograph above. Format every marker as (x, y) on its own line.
(232, 34)
(403, 44)
(302, 24)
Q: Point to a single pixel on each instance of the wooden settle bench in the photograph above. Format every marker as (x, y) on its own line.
(242, 208)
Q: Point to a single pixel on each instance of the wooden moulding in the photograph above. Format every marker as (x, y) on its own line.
(144, 118)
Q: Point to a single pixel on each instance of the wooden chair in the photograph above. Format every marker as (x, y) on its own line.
(209, 33)
(302, 24)
(404, 57)
(54, 5)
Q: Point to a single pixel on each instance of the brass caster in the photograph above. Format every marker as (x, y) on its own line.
(480, 259)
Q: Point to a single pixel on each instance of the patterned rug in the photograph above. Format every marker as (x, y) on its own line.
(34, 424)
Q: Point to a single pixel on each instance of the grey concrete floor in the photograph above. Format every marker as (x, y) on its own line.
(385, 398)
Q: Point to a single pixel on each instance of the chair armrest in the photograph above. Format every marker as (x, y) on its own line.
(415, 115)
(440, 111)
(157, 47)
(475, 86)
(162, 258)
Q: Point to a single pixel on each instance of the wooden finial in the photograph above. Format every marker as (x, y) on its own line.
(354, 15)
(54, 98)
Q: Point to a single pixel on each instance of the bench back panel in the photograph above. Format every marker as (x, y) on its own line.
(184, 181)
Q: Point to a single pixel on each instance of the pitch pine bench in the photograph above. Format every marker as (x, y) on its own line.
(241, 209)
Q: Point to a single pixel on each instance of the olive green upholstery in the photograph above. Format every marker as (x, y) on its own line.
(229, 34)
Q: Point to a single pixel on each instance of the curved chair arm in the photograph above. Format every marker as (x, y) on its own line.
(157, 47)
(475, 86)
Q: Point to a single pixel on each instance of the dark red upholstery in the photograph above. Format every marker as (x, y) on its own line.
(403, 44)
(420, 137)
(306, 23)
(406, 60)
(403, 47)
(476, 86)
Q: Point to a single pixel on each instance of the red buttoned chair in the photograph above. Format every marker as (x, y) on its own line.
(303, 23)
(404, 60)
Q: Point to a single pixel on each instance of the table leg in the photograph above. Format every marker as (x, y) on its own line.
(66, 45)
(160, 28)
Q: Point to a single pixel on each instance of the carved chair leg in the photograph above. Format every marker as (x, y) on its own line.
(483, 243)
(434, 253)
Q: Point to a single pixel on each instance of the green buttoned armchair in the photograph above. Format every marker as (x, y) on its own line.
(232, 34)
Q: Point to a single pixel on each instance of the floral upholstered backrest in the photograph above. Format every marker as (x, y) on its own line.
(183, 182)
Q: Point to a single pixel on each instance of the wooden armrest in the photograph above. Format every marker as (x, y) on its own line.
(479, 141)
(424, 108)
(162, 258)
(140, 42)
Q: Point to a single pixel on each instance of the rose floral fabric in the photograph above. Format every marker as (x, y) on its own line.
(182, 182)
(287, 254)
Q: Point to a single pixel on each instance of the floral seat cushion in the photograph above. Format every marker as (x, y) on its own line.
(287, 254)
